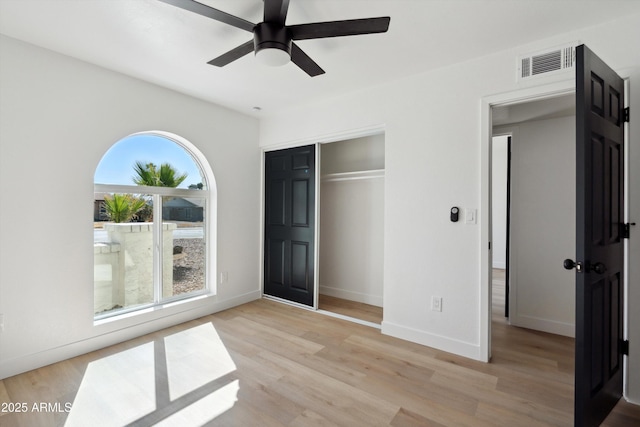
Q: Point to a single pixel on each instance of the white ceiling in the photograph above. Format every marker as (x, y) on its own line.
(170, 47)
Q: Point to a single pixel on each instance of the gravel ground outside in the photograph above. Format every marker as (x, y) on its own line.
(189, 271)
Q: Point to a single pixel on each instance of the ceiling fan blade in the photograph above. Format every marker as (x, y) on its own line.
(350, 27)
(275, 11)
(303, 61)
(233, 54)
(209, 12)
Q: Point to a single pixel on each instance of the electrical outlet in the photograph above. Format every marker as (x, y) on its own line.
(224, 277)
(1, 322)
(436, 303)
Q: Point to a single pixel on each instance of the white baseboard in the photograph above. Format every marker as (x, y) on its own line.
(500, 265)
(544, 325)
(633, 402)
(351, 296)
(439, 342)
(28, 362)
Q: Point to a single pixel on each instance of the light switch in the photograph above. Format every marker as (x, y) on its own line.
(470, 216)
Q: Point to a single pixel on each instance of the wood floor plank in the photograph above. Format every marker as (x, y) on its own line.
(406, 418)
(324, 394)
(311, 419)
(503, 415)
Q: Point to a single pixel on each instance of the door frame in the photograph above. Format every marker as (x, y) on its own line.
(316, 140)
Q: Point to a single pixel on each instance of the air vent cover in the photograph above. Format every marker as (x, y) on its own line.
(547, 62)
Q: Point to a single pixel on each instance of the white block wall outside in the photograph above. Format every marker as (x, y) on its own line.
(132, 282)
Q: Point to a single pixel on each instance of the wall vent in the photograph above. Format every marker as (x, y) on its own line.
(547, 62)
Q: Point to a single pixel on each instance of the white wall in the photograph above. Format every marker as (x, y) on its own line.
(352, 219)
(58, 117)
(499, 161)
(433, 137)
(543, 212)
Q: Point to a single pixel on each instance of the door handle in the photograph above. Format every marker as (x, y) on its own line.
(570, 264)
(597, 267)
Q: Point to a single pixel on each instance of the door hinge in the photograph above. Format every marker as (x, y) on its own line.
(625, 114)
(624, 347)
(626, 230)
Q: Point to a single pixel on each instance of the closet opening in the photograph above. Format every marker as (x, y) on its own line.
(351, 224)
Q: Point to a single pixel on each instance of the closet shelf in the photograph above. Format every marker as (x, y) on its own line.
(350, 176)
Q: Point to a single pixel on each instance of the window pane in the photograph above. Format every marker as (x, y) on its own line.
(118, 164)
(184, 259)
(123, 252)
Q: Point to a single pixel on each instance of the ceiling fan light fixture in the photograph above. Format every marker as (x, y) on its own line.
(272, 44)
(273, 57)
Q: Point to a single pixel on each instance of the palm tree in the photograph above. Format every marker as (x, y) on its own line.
(123, 207)
(148, 174)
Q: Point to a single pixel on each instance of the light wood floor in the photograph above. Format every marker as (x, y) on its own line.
(366, 312)
(270, 364)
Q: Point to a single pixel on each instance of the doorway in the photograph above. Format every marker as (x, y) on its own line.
(488, 105)
(341, 273)
(540, 217)
(600, 134)
(351, 236)
(533, 227)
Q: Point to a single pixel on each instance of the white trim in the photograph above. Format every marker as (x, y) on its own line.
(344, 135)
(352, 176)
(350, 319)
(316, 231)
(287, 302)
(144, 189)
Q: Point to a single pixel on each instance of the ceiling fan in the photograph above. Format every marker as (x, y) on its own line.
(273, 40)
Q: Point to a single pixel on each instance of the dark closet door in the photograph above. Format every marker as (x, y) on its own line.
(599, 238)
(290, 224)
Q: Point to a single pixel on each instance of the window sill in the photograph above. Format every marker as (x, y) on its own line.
(170, 307)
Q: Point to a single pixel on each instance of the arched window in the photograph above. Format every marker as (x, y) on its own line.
(154, 207)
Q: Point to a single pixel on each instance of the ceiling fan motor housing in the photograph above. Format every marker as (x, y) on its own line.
(271, 36)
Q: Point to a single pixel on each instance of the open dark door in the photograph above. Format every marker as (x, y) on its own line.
(599, 238)
(507, 276)
(290, 224)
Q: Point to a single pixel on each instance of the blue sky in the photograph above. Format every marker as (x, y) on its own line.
(116, 167)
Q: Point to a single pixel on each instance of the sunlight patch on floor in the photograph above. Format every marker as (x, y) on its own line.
(194, 358)
(117, 389)
(182, 378)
